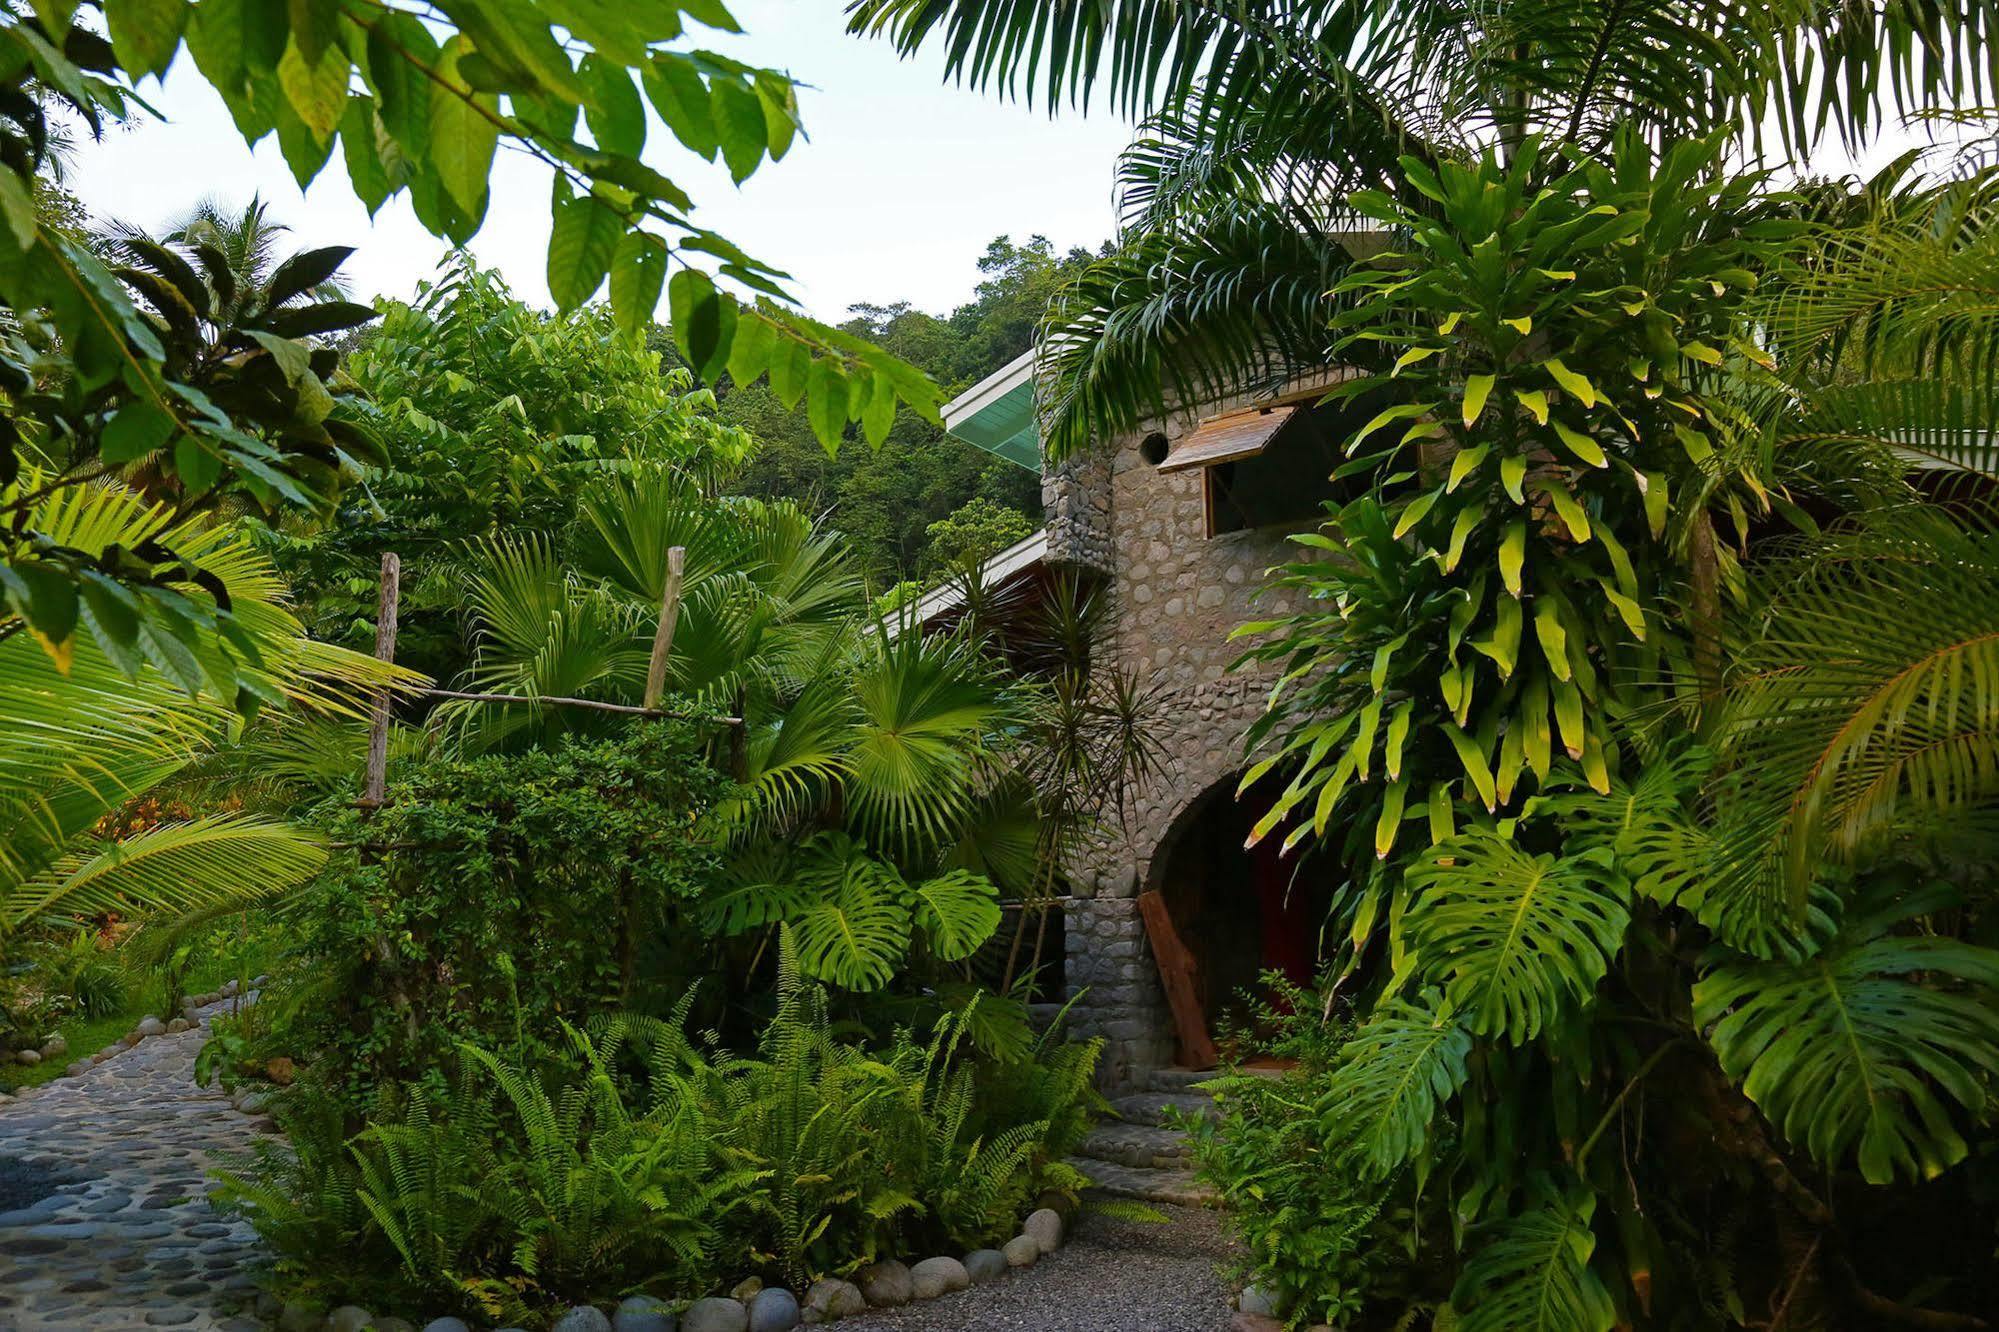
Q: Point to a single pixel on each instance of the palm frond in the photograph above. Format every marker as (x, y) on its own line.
(222, 858)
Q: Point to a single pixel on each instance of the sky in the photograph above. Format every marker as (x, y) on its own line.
(894, 196)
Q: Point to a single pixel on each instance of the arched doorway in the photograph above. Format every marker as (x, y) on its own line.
(1221, 914)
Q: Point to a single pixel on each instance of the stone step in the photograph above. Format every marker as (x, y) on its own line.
(1167, 1188)
(1179, 1079)
(1152, 1107)
(1142, 1145)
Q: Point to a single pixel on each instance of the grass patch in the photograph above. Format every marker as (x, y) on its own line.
(88, 1035)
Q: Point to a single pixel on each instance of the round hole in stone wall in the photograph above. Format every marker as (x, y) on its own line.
(1153, 448)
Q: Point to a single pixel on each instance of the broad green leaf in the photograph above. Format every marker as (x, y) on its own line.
(615, 113)
(678, 93)
(1517, 942)
(1533, 1274)
(1461, 528)
(826, 401)
(463, 133)
(1397, 736)
(704, 321)
(582, 242)
(638, 275)
(739, 126)
(17, 203)
(137, 430)
(1512, 471)
(1412, 356)
(1569, 715)
(1866, 1053)
(316, 89)
(145, 33)
(1536, 403)
(1652, 487)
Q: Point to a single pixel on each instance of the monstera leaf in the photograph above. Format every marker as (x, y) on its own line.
(1533, 1275)
(957, 912)
(854, 929)
(1514, 940)
(1863, 1051)
(1393, 1079)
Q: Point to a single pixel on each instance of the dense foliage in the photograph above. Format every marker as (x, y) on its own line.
(1655, 781)
(657, 1164)
(496, 894)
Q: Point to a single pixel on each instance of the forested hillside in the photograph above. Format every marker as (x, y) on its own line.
(885, 500)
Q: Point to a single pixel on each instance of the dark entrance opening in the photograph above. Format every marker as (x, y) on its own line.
(1236, 912)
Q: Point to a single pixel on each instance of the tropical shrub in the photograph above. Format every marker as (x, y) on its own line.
(493, 898)
(1325, 1246)
(648, 1161)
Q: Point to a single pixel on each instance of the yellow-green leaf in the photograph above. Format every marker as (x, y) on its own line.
(1512, 554)
(1569, 715)
(1390, 821)
(1512, 471)
(1363, 741)
(1442, 825)
(1554, 640)
(1465, 464)
(1535, 401)
(1398, 733)
(1697, 445)
(1700, 351)
(1652, 485)
(1524, 324)
(1411, 357)
(1477, 389)
(1511, 756)
(1461, 528)
(1413, 514)
(1571, 513)
(1571, 382)
(1475, 766)
(1581, 445)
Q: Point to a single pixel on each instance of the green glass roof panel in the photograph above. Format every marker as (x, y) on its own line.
(997, 414)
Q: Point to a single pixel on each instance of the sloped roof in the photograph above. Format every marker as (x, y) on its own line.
(997, 414)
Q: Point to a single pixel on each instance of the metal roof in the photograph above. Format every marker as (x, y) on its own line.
(997, 414)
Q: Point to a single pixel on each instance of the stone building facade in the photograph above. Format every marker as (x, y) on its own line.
(1177, 593)
(1141, 515)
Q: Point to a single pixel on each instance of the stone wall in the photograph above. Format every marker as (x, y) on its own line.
(1176, 593)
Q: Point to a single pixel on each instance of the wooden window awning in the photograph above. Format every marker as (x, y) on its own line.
(1228, 438)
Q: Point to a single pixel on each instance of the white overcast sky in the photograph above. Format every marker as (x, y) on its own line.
(902, 183)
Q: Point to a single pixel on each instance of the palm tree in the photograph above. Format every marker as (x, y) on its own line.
(238, 255)
(83, 735)
(1261, 119)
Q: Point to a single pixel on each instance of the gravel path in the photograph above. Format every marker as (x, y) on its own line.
(124, 1237)
(1112, 1276)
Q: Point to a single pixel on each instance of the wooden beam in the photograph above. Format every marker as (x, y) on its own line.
(595, 705)
(669, 616)
(389, 597)
(1177, 973)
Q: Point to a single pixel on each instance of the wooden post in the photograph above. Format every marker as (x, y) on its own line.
(669, 616)
(385, 650)
(1176, 974)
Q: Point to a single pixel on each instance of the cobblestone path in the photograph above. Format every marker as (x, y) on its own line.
(125, 1237)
